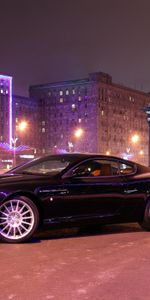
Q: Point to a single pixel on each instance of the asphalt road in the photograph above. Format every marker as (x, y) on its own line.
(108, 263)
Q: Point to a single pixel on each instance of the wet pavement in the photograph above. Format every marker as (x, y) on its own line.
(102, 263)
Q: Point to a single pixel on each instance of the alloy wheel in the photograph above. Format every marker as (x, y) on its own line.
(16, 219)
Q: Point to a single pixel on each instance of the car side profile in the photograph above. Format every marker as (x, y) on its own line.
(72, 189)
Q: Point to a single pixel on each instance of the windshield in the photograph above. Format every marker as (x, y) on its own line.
(45, 166)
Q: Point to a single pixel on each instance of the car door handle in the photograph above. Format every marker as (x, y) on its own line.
(54, 191)
(60, 192)
(130, 191)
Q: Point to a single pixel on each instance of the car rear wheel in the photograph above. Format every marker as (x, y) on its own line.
(145, 224)
(19, 219)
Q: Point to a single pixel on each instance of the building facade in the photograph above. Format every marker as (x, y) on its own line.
(64, 107)
(15, 143)
(109, 114)
(5, 109)
(26, 110)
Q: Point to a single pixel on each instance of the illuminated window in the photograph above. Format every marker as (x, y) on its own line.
(79, 120)
(102, 112)
(79, 98)
(61, 100)
(2, 91)
(61, 93)
(43, 130)
(67, 92)
(73, 106)
(73, 92)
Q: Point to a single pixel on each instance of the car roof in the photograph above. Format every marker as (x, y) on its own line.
(76, 157)
(86, 156)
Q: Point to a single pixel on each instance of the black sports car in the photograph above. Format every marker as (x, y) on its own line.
(71, 189)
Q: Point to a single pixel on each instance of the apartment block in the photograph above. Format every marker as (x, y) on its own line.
(109, 115)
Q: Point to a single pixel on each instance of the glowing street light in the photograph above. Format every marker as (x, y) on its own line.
(135, 138)
(78, 133)
(141, 152)
(107, 152)
(135, 141)
(22, 126)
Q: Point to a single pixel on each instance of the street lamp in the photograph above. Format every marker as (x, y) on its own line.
(78, 133)
(14, 141)
(134, 145)
(141, 152)
(107, 152)
(135, 138)
(22, 126)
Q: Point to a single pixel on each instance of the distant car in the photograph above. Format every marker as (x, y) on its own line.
(72, 189)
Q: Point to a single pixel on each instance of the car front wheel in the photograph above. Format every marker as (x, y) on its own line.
(19, 219)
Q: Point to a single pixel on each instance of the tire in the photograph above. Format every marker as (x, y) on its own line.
(19, 219)
(145, 224)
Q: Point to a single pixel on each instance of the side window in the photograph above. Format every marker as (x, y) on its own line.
(126, 169)
(96, 168)
(48, 166)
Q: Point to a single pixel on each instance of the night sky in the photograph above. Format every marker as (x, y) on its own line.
(44, 41)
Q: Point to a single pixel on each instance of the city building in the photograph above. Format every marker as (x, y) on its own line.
(85, 115)
(6, 109)
(109, 115)
(16, 112)
(26, 112)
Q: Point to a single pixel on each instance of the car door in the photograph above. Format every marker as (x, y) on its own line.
(95, 189)
(91, 189)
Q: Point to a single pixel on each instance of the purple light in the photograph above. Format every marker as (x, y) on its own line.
(6, 147)
(9, 79)
(127, 155)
